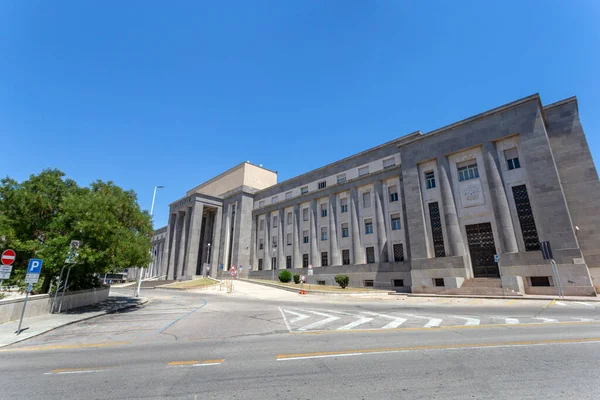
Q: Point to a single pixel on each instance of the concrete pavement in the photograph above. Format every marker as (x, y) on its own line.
(247, 345)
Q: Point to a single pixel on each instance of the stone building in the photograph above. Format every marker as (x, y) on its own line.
(459, 209)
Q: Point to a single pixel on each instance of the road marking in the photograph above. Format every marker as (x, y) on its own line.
(394, 324)
(299, 316)
(511, 321)
(433, 322)
(61, 371)
(323, 354)
(559, 303)
(470, 321)
(583, 303)
(551, 303)
(170, 324)
(285, 320)
(330, 318)
(66, 346)
(356, 323)
(546, 320)
(195, 363)
(584, 319)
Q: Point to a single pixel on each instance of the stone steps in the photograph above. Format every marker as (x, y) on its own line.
(482, 283)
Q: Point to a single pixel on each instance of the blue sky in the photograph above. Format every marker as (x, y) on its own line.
(172, 93)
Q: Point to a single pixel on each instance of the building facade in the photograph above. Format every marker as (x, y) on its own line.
(460, 209)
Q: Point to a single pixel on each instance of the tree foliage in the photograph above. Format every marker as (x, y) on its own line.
(40, 216)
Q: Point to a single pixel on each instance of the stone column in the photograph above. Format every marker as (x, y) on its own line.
(281, 240)
(314, 248)
(254, 238)
(226, 236)
(504, 222)
(380, 218)
(455, 241)
(297, 227)
(182, 242)
(267, 250)
(175, 246)
(388, 222)
(216, 243)
(164, 265)
(195, 228)
(206, 240)
(358, 254)
(334, 252)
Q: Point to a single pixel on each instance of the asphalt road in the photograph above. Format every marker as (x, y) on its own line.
(263, 343)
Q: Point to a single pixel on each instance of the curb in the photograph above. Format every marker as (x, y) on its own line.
(459, 296)
(184, 289)
(143, 301)
(312, 291)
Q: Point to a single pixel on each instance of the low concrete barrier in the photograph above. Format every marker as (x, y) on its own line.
(40, 304)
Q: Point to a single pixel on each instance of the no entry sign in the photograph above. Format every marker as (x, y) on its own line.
(8, 257)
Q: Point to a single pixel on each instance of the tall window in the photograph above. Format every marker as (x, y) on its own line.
(304, 260)
(429, 179)
(261, 243)
(366, 199)
(345, 230)
(398, 252)
(512, 158)
(393, 192)
(289, 218)
(275, 221)
(525, 214)
(436, 229)
(260, 264)
(305, 214)
(323, 233)
(344, 204)
(273, 262)
(261, 204)
(324, 210)
(389, 162)
(274, 241)
(289, 239)
(288, 262)
(322, 184)
(469, 171)
(395, 222)
(368, 226)
(363, 171)
(304, 236)
(274, 199)
(304, 189)
(288, 195)
(341, 178)
(261, 225)
(370, 255)
(324, 259)
(346, 257)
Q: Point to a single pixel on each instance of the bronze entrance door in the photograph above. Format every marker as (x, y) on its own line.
(482, 249)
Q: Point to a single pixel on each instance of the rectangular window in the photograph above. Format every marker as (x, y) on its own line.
(393, 192)
(363, 171)
(346, 257)
(304, 260)
(261, 225)
(395, 222)
(274, 241)
(366, 199)
(368, 226)
(436, 230)
(438, 282)
(273, 199)
(540, 280)
(305, 214)
(512, 158)
(525, 214)
(323, 233)
(261, 204)
(397, 282)
(322, 184)
(341, 178)
(289, 239)
(289, 218)
(370, 255)
(261, 243)
(467, 172)
(273, 262)
(260, 264)
(345, 232)
(275, 221)
(288, 195)
(324, 259)
(399, 253)
(304, 189)
(322, 283)
(324, 210)
(344, 204)
(305, 236)
(429, 179)
(389, 162)
(368, 283)
(288, 262)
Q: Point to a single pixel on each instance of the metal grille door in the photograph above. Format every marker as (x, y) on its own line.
(482, 249)
(436, 230)
(530, 235)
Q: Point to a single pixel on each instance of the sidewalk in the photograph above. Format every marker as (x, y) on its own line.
(483, 296)
(35, 326)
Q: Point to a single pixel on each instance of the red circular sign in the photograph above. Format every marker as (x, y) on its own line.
(8, 257)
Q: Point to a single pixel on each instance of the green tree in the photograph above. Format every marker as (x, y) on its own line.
(40, 216)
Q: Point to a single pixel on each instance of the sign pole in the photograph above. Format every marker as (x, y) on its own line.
(64, 289)
(23, 311)
(57, 287)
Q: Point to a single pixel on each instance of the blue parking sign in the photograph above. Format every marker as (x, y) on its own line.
(35, 266)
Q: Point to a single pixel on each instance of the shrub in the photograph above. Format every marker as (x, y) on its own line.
(285, 276)
(342, 280)
(296, 278)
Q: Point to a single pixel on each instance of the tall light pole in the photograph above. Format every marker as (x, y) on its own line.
(139, 283)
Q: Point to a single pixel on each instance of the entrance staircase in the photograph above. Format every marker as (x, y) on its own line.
(482, 287)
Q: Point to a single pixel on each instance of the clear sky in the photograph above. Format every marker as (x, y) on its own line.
(171, 93)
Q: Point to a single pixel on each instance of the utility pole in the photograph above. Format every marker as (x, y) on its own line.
(141, 271)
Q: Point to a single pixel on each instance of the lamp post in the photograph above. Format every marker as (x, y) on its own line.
(207, 260)
(141, 272)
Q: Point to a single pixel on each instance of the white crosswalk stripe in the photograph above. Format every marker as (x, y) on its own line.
(393, 324)
(560, 303)
(546, 320)
(433, 322)
(583, 303)
(470, 321)
(356, 323)
(511, 320)
(323, 322)
(299, 317)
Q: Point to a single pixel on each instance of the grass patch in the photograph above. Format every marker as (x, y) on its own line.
(193, 284)
(323, 288)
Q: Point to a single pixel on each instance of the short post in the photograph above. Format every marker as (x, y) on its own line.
(29, 287)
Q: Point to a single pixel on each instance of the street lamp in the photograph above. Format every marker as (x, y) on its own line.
(139, 284)
(207, 258)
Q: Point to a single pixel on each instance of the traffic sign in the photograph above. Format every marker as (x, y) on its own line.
(29, 287)
(309, 266)
(302, 278)
(33, 270)
(310, 272)
(5, 271)
(496, 258)
(8, 257)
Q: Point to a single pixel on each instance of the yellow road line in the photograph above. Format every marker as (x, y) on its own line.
(184, 362)
(194, 363)
(434, 347)
(551, 303)
(66, 346)
(213, 361)
(437, 328)
(73, 370)
(511, 301)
